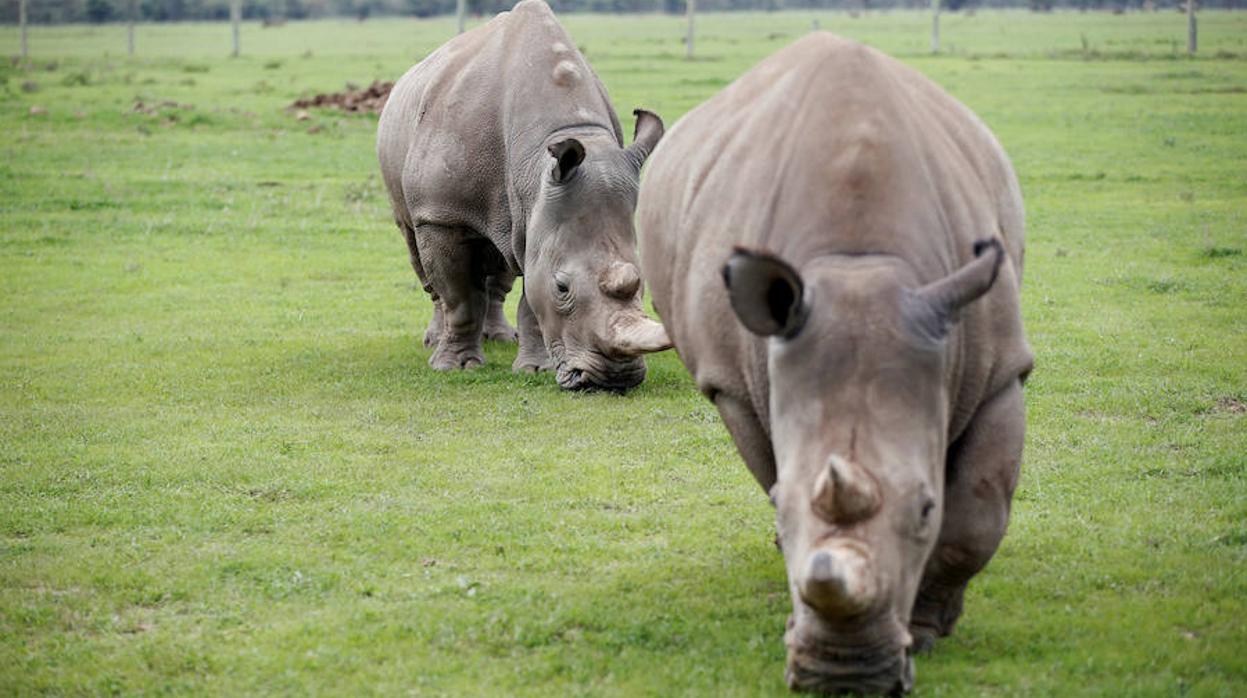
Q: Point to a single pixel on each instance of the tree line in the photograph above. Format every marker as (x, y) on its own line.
(99, 11)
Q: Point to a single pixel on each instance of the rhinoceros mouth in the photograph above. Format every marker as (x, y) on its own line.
(600, 373)
(819, 661)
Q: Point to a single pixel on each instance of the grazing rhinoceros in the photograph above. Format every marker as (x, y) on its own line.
(834, 245)
(503, 157)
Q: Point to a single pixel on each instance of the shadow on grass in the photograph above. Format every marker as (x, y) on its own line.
(376, 366)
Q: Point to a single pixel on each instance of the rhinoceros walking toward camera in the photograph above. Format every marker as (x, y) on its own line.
(835, 248)
(503, 156)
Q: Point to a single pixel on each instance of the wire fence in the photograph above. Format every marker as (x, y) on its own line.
(275, 12)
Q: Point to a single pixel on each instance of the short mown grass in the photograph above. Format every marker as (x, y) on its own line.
(226, 468)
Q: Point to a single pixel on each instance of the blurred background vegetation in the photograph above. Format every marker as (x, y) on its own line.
(100, 11)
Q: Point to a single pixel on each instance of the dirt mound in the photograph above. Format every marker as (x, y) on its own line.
(370, 99)
(156, 108)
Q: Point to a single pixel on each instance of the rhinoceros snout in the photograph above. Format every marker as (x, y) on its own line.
(827, 667)
(572, 379)
(601, 374)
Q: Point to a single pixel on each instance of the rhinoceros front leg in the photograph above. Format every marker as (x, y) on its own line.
(448, 257)
(496, 326)
(532, 356)
(981, 476)
(751, 440)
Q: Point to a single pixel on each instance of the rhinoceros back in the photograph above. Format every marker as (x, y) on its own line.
(460, 139)
(826, 147)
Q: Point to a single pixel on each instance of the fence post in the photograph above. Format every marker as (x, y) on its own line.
(21, 19)
(688, 39)
(235, 16)
(935, 26)
(130, 7)
(1191, 39)
(461, 9)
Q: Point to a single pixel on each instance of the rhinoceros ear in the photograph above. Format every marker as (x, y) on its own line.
(649, 131)
(568, 155)
(766, 293)
(941, 301)
(945, 297)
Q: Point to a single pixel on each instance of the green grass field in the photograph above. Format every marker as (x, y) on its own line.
(226, 468)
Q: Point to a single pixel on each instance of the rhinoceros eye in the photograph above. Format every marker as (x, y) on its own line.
(562, 293)
(927, 507)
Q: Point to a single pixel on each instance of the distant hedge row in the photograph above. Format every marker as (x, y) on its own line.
(59, 11)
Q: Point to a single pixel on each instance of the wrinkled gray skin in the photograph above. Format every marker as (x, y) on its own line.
(809, 237)
(503, 157)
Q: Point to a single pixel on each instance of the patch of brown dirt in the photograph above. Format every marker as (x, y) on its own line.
(156, 108)
(369, 100)
(1232, 405)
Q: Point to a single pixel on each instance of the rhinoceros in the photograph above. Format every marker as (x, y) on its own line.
(834, 245)
(503, 156)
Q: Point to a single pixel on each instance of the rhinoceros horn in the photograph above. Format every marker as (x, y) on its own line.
(649, 130)
(953, 292)
(620, 280)
(844, 492)
(633, 334)
(838, 579)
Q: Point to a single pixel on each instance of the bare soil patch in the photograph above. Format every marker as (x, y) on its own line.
(1232, 405)
(368, 100)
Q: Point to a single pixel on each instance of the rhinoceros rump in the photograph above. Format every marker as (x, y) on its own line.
(503, 157)
(835, 247)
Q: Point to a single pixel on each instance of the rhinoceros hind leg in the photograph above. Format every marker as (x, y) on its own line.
(980, 478)
(448, 257)
(433, 333)
(496, 326)
(434, 330)
(532, 356)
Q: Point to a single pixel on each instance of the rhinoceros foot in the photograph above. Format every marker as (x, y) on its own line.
(924, 640)
(935, 614)
(500, 331)
(433, 334)
(451, 358)
(533, 356)
(529, 363)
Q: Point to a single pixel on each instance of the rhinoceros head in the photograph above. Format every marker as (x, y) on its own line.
(580, 276)
(857, 359)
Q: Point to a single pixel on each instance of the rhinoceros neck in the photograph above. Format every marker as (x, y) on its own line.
(463, 139)
(529, 164)
(548, 93)
(872, 161)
